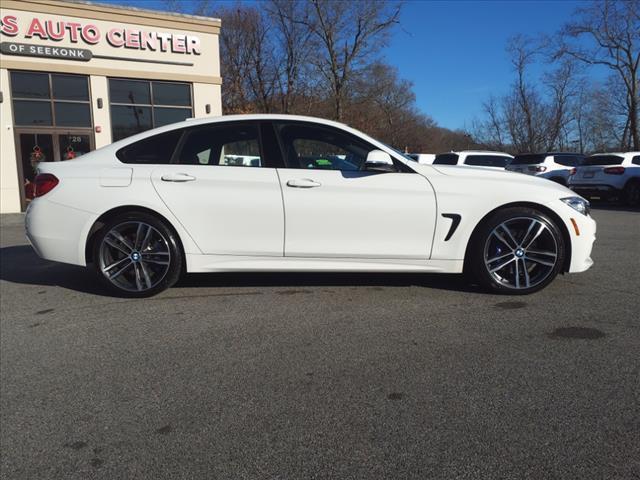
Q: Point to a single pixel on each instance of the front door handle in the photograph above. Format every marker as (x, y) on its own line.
(177, 177)
(303, 183)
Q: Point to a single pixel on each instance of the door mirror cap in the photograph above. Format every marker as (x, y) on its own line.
(379, 161)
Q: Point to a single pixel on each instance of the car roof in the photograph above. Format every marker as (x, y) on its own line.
(481, 152)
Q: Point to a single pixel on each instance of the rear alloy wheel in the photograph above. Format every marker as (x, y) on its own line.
(136, 255)
(517, 251)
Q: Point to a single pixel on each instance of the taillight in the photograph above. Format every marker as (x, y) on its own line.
(572, 171)
(44, 183)
(541, 169)
(614, 170)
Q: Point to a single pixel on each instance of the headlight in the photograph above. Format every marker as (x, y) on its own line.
(578, 204)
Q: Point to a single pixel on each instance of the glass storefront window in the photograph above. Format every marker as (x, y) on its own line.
(129, 91)
(30, 85)
(72, 114)
(70, 87)
(138, 105)
(31, 113)
(171, 94)
(36, 100)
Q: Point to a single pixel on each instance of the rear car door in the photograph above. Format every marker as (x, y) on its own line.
(336, 209)
(222, 190)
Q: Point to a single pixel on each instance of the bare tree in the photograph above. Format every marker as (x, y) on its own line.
(347, 34)
(612, 30)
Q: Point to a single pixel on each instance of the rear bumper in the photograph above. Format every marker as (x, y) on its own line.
(58, 233)
(596, 190)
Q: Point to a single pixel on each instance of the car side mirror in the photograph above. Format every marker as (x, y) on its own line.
(379, 161)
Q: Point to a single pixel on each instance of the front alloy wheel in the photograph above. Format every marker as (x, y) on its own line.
(137, 256)
(522, 252)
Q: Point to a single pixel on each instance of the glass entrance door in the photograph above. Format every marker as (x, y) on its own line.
(55, 145)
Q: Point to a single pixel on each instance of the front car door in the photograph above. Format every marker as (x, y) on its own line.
(336, 209)
(221, 189)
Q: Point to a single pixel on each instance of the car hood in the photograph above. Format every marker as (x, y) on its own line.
(464, 174)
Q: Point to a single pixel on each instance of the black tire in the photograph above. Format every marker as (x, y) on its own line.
(144, 265)
(523, 224)
(631, 193)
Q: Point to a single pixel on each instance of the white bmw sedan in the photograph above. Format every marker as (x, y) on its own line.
(292, 193)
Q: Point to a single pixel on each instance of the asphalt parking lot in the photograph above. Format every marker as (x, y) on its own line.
(320, 375)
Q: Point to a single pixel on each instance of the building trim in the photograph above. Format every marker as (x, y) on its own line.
(109, 72)
(117, 14)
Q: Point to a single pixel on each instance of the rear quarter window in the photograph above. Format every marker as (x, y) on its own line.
(636, 160)
(157, 149)
(446, 159)
(567, 160)
(487, 160)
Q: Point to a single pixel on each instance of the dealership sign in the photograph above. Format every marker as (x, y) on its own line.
(76, 32)
(80, 54)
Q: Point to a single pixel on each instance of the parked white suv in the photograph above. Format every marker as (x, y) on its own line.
(474, 158)
(608, 176)
(423, 158)
(554, 166)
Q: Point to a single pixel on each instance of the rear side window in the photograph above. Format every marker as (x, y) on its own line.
(603, 160)
(528, 159)
(636, 160)
(446, 159)
(569, 160)
(487, 161)
(153, 150)
(236, 145)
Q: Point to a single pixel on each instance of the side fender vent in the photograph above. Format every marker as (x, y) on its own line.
(455, 221)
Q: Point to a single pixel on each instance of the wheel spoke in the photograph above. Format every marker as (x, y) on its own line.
(538, 233)
(531, 225)
(113, 244)
(138, 240)
(517, 274)
(502, 265)
(500, 237)
(117, 274)
(540, 252)
(527, 280)
(121, 239)
(136, 269)
(508, 232)
(145, 274)
(495, 259)
(145, 240)
(541, 262)
(145, 259)
(115, 264)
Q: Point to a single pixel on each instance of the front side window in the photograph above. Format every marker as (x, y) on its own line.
(487, 161)
(446, 159)
(223, 145)
(320, 147)
(140, 105)
(50, 99)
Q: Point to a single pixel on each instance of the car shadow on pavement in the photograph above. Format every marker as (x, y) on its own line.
(20, 264)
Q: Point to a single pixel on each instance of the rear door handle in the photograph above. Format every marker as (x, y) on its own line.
(303, 183)
(177, 177)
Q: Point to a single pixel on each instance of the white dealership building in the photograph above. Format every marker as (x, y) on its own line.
(75, 76)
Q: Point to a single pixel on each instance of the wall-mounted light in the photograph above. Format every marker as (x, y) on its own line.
(1, 97)
(207, 108)
(99, 103)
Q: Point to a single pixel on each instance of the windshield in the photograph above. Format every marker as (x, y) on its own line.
(603, 160)
(528, 159)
